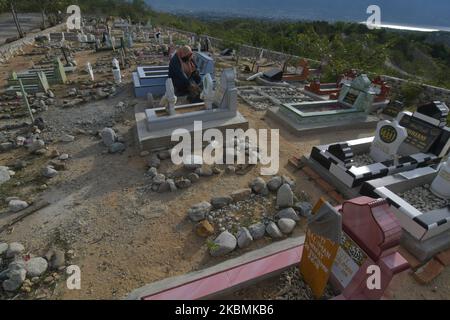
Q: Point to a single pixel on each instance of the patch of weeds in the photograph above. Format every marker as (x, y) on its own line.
(58, 240)
(303, 196)
(212, 246)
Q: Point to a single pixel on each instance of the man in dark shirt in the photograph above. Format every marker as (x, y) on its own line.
(184, 74)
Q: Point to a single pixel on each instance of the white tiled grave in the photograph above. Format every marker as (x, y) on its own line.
(426, 144)
(424, 216)
(155, 126)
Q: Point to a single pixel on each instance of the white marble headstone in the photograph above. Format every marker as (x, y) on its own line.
(170, 96)
(226, 88)
(115, 63)
(388, 138)
(261, 54)
(91, 72)
(208, 91)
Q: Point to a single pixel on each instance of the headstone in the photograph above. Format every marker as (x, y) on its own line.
(90, 71)
(205, 64)
(170, 97)
(59, 72)
(441, 184)
(393, 109)
(274, 74)
(357, 94)
(321, 245)
(208, 92)
(427, 132)
(116, 71)
(370, 238)
(227, 85)
(129, 38)
(115, 63)
(226, 52)
(208, 44)
(388, 138)
(261, 55)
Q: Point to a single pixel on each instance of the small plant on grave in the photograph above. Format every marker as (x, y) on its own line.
(235, 229)
(411, 92)
(212, 245)
(303, 196)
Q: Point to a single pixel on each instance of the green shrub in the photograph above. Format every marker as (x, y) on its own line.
(411, 92)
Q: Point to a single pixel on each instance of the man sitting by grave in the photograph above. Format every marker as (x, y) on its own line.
(184, 74)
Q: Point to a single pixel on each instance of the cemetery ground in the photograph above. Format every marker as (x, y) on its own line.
(121, 235)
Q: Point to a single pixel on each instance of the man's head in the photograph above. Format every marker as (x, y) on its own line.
(185, 53)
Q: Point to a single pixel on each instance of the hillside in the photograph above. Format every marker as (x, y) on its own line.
(411, 12)
(423, 56)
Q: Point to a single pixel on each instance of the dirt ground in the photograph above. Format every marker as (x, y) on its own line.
(124, 238)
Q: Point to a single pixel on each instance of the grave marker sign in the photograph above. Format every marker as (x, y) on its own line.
(388, 138)
(426, 130)
(393, 109)
(320, 248)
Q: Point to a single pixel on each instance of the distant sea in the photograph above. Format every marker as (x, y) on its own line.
(419, 15)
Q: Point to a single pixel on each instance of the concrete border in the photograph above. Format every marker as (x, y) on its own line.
(173, 282)
(300, 130)
(349, 193)
(8, 50)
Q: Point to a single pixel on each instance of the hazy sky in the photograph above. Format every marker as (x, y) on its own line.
(412, 12)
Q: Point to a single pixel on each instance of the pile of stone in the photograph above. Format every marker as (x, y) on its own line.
(114, 142)
(161, 182)
(169, 182)
(88, 92)
(33, 143)
(36, 146)
(10, 140)
(24, 272)
(220, 212)
(423, 199)
(360, 160)
(11, 107)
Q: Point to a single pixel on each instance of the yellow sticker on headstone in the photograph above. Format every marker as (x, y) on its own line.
(317, 259)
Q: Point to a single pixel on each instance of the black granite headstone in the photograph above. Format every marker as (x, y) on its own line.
(343, 152)
(421, 135)
(274, 74)
(393, 109)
